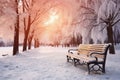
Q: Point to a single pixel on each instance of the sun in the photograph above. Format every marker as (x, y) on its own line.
(52, 18)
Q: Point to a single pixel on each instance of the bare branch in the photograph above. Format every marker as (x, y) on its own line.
(39, 13)
(103, 28)
(74, 23)
(26, 5)
(104, 21)
(115, 15)
(116, 22)
(87, 8)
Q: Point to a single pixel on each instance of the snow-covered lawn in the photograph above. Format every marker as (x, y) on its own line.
(49, 63)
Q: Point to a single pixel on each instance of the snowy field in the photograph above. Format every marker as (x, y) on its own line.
(49, 63)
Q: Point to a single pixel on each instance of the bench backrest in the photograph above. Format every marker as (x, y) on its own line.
(89, 48)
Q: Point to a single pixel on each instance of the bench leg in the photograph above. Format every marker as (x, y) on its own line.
(67, 58)
(74, 61)
(103, 69)
(88, 66)
(100, 67)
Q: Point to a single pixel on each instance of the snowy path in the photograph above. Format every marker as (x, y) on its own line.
(48, 63)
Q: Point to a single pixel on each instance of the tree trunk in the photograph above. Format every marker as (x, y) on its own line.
(26, 34)
(16, 41)
(36, 43)
(16, 33)
(25, 42)
(30, 41)
(29, 44)
(110, 39)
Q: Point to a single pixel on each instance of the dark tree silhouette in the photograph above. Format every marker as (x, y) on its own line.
(16, 32)
(30, 39)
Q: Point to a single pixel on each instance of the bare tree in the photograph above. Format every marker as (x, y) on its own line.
(16, 31)
(35, 9)
(30, 38)
(105, 13)
(110, 15)
(27, 21)
(10, 9)
(85, 19)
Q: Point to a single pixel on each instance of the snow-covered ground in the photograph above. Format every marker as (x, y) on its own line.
(49, 63)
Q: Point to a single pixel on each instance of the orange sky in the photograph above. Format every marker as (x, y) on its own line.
(56, 18)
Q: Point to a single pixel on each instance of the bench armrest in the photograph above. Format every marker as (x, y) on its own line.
(72, 50)
(93, 54)
(98, 53)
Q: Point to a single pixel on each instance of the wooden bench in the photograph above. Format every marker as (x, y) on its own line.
(93, 55)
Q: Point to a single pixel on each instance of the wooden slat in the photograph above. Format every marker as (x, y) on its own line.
(88, 48)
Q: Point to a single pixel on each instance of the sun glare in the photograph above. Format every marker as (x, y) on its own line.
(52, 18)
